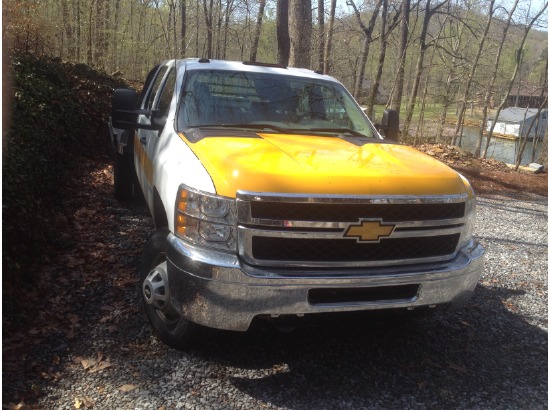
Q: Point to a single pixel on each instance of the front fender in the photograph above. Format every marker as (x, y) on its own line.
(176, 164)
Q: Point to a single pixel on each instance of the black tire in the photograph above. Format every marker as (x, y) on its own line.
(124, 177)
(170, 327)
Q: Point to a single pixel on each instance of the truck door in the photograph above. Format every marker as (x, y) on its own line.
(158, 98)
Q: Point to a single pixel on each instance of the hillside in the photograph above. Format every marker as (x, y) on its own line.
(58, 116)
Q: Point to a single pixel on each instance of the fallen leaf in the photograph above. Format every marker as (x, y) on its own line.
(127, 387)
(74, 319)
(77, 403)
(89, 403)
(19, 406)
(87, 363)
(100, 366)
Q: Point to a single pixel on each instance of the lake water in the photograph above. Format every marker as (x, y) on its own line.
(499, 148)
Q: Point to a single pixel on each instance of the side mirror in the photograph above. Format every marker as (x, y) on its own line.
(124, 108)
(158, 121)
(390, 125)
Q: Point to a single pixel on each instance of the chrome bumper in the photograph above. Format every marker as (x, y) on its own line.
(215, 289)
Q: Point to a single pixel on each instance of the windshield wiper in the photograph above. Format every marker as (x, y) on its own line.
(341, 131)
(248, 126)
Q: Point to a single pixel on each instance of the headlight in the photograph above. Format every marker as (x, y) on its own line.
(205, 219)
(470, 219)
(469, 213)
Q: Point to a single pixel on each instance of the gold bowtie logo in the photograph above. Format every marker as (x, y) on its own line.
(369, 231)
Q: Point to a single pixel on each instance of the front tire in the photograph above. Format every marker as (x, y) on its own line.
(169, 326)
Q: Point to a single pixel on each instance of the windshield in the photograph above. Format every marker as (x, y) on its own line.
(229, 98)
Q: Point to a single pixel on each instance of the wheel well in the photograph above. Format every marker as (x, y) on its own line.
(159, 213)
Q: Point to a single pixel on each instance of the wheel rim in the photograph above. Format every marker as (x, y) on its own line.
(156, 294)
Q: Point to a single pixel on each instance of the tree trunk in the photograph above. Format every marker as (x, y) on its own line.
(321, 23)
(228, 11)
(473, 69)
(489, 90)
(384, 35)
(257, 31)
(183, 28)
(419, 64)
(197, 23)
(283, 38)
(328, 45)
(89, 56)
(208, 17)
(367, 33)
(115, 49)
(400, 78)
(299, 29)
(420, 127)
(78, 32)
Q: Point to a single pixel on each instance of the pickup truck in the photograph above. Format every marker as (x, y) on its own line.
(273, 196)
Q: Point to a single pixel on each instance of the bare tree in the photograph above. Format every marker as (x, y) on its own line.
(400, 78)
(473, 68)
(299, 29)
(428, 13)
(536, 121)
(385, 31)
(321, 24)
(208, 19)
(489, 91)
(257, 31)
(328, 45)
(514, 74)
(368, 38)
(283, 37)
(183, 27)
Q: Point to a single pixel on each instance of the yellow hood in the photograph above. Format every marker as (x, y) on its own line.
(312, 164)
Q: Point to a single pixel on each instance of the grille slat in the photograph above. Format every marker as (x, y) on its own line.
(353, 212)
(338, 250)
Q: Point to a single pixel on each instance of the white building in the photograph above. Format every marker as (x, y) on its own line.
(515, 122)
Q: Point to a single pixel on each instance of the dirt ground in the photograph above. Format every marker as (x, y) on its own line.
(489, 177)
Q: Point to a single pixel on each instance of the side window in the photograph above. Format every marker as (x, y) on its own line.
(155, 88)
(165, 98)
(147, 84)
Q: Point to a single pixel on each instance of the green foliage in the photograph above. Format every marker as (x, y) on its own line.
(58, 114)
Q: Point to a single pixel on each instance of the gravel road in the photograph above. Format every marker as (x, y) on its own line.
(491, 354)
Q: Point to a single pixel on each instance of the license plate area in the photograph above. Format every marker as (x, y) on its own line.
(332, 296)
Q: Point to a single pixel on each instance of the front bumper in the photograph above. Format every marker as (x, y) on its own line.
(215, 289)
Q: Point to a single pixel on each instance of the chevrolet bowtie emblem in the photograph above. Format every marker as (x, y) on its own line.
(369, 231)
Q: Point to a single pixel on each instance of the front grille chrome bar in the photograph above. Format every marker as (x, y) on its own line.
(424, 218)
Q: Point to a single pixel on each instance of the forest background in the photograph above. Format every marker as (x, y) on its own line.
(442, 63)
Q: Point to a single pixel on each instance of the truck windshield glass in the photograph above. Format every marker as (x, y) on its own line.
(218, 98)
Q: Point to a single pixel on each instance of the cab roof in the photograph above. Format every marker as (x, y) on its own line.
(250, 66)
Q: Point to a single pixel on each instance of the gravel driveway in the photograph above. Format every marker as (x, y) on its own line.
(492, 354)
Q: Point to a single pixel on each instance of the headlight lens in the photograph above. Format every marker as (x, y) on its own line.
(205, 219)
(470, 214)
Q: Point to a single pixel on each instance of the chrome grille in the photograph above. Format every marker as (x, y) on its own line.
(354, 212)
(338, 250)
(310, 231)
